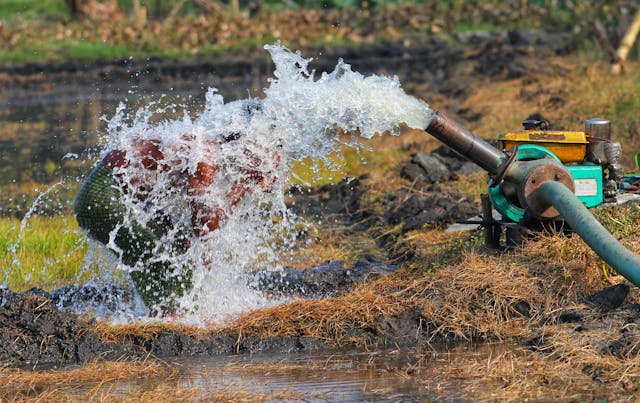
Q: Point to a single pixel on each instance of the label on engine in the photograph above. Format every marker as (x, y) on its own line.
(586, 187)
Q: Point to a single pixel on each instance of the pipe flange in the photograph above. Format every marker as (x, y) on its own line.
(528, 191)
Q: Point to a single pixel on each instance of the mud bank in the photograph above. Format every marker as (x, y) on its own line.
(40, 327)
(37, 332)
(432, 60)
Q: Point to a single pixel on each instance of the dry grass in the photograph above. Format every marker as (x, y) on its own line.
(566, 364)
(147, 381)
(478, 297)
(330, 320)
(143, 331)
(63, 384)
(514, 375)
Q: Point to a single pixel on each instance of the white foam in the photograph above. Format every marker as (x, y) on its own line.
(298, 118)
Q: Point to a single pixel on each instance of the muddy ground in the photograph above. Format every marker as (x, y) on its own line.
(440, 64)
(36, 330)
(40, 327)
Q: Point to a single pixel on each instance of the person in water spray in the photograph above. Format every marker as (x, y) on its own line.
(130, 174)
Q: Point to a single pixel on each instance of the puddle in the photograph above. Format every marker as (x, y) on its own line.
(338, 376)
(335, 376)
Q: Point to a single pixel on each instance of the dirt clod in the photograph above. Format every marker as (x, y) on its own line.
(35, 331)
(326, 280)
(427, 168)
(428, 208)
(341, 199)
(610, 298)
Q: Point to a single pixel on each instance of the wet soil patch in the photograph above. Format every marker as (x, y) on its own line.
(441, 165)
(428, 208)
(34, 331)
(426, 204)
(38, 327)
(322, 281)
(341, 201)
(609, 298)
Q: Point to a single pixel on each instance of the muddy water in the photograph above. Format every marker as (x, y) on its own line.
(335, 376)
(49, 112)
(50, 119)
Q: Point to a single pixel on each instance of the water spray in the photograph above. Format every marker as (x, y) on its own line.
(187, 204)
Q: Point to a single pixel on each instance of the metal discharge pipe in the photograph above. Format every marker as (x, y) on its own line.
(591, 231)
(465, 142)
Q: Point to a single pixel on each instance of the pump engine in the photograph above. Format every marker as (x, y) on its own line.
(590, 157)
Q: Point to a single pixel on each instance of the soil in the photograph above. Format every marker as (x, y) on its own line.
(36, 329)
(40, 327)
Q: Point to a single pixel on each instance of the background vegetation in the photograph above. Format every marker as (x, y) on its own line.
(57, 30)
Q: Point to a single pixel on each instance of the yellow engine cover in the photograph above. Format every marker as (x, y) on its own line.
(568, 146)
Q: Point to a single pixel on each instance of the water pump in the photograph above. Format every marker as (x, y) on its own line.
(590, 157)
(541, 175)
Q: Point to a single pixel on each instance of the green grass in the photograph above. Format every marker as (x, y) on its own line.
(466, 27)
(54, 50)
(14, 10)
(49, 252)
(81, 50)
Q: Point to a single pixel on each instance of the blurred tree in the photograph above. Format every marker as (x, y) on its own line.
(139, 12)
(72, 5)
(625, 45)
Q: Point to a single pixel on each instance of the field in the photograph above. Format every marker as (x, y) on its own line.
(565, 340)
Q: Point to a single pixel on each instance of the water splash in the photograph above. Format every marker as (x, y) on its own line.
(250, 144)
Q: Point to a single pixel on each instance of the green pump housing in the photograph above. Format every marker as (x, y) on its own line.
(589, 157)
(587, 177)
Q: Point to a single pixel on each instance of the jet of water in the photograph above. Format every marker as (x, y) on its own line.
(247, 147)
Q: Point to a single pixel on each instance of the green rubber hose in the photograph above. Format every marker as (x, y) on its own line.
(591, 231)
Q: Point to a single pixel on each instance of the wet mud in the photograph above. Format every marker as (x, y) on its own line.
(40, 327)
(323, 281)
